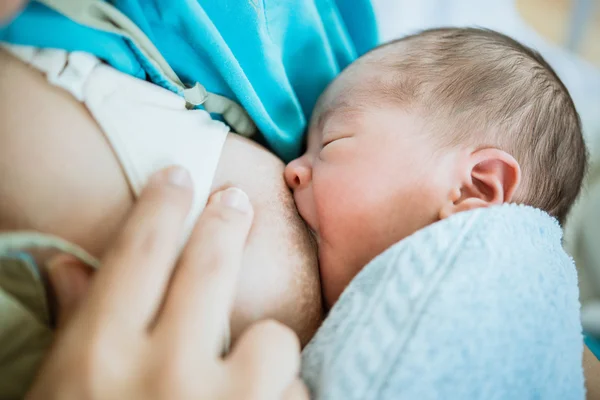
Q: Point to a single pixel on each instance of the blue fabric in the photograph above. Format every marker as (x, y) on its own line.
(593, 344)
(482, 305)
(274, 57)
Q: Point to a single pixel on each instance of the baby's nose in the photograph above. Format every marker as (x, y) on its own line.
(297, 173)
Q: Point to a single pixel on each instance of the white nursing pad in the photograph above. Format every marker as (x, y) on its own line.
(147, 126)
(150, 128)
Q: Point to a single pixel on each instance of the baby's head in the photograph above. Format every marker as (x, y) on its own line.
(437, 123)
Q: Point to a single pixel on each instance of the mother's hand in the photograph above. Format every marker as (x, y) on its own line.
(147, 329)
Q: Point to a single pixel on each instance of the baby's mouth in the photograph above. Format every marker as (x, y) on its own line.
(313, 233)
(314, 236)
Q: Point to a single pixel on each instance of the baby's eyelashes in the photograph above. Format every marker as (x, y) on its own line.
(333, 140)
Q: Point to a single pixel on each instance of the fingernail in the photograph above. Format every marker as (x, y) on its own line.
(234, 198)
(175, 175)
(179, 176)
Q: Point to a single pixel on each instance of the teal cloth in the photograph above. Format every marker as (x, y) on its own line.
(273, 57)
(482, 305)
(593, 344)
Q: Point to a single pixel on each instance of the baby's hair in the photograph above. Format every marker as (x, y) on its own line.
(482, 88)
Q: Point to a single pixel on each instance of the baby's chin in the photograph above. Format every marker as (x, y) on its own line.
(337, 270)
(332, 284)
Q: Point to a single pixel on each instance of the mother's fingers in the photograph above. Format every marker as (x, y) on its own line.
(70, 279)
(201, 295)
(266, 361)
(129, 287)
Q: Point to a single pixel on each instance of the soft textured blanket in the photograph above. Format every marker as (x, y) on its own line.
(483, 305)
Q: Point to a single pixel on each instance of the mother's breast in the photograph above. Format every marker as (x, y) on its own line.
(280, 277)
(59, 175)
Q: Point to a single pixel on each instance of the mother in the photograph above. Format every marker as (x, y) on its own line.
(253, 53)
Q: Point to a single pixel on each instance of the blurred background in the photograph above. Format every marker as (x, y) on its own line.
(567, 34)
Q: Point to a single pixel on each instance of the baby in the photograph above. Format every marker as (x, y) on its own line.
(433, 124)
(419, 129)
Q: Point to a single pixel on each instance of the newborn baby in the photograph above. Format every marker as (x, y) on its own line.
(433, 124)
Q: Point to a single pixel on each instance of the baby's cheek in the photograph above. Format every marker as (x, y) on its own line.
(353, 234)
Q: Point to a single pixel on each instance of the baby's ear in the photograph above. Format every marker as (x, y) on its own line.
(491, 177)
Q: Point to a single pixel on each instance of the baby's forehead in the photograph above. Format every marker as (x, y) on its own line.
(338, 110)
(365, 84)
(348, 96)
(368, 80)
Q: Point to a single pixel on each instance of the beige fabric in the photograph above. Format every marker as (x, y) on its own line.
(11, 242)
(25, 333)
(103, 16)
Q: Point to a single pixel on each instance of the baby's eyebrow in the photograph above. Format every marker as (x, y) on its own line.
(323, 116)
(343, 108)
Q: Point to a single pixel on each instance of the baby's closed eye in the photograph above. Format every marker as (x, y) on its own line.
(331, 137)
(333, 142)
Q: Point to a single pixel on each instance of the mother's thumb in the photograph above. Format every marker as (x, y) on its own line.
(70, 279)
